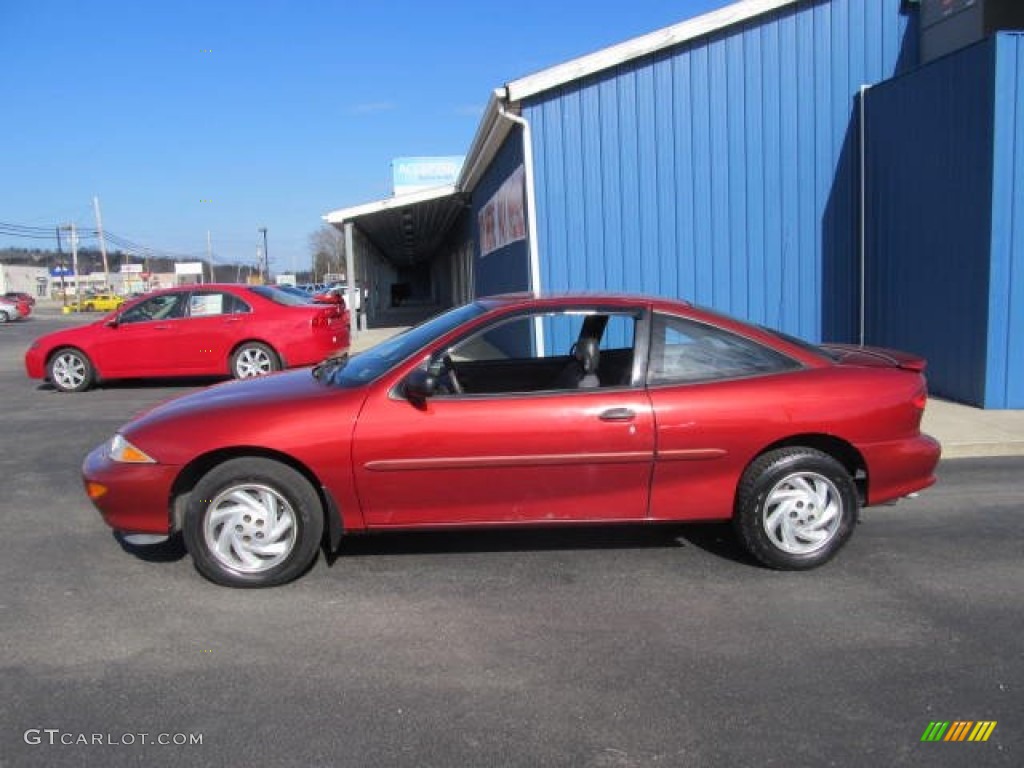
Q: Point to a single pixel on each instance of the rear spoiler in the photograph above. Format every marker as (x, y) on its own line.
(893, 357)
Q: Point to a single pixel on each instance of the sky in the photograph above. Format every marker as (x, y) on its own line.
(224, 117)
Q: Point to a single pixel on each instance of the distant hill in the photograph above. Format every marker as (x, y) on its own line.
(91, 260)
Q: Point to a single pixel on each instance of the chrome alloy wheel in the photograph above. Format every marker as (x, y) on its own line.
(253, 361)
(802, 513)
(68, 371)
(250, 528)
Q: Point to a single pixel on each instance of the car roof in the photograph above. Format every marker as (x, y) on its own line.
(607, 298)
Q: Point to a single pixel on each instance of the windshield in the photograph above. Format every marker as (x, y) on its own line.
(368, 365)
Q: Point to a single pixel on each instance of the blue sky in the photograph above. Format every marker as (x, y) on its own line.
(185, 117)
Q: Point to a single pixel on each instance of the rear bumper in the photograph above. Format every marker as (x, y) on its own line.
(900, 467)
(138, 496)
(334, 341)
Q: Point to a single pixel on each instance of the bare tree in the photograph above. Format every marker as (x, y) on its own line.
(327, 245)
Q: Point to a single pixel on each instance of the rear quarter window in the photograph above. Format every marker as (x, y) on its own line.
(685, 351)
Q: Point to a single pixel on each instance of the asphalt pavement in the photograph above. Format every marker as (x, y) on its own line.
(595, 647)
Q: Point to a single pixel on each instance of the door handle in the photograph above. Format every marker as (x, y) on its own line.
(161, 327)
(617, 414)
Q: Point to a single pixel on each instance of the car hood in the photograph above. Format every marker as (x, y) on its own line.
(278, 412)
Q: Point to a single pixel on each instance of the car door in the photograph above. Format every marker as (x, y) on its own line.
(541, 454)
(144, 340)
(719, 398)
(217, 320)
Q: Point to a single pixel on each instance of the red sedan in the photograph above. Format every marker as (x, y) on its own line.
(519, 410)
(199, 330)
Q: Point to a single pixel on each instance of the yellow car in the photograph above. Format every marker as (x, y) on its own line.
(101, 302)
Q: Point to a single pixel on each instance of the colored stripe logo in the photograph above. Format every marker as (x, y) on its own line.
(959, 730)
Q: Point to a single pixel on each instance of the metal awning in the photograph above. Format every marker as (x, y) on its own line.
(408, 229)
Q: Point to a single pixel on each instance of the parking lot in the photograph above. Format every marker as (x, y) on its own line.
(620, 646)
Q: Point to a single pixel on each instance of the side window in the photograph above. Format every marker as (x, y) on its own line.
(684, 351)
(209, 303)
(542, 352)
(166, 306)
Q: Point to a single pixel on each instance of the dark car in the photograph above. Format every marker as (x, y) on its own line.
(521, 410)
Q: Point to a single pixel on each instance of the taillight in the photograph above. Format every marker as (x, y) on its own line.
(921, 398)
(321, 320)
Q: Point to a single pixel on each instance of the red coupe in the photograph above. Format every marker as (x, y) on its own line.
(198, 330)
(520, 410)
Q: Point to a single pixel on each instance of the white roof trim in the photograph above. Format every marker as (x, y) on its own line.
(641, 46)
(342, 215)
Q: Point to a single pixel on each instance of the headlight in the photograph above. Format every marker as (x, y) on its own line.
(123, 451)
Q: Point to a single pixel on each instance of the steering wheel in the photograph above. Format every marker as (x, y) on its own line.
(448, 375)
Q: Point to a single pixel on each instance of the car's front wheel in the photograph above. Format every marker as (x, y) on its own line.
(253, 522)
(254, 359)
(4, 317)
(795, 508)
(70, 370)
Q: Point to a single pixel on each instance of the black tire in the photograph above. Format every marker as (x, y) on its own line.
(4, 317)
(779, 516)
(236, 545)
(253, 359)
(89, 307)
(70, 370)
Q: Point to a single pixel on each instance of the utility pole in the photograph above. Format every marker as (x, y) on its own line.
(103, 243)
(74, 265)
(209, 255)
(265, 268)
(60, 270)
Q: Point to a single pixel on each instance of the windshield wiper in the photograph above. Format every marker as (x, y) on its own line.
(329, 365)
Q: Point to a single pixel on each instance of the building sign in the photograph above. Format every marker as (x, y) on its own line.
(411, 174)
(502, 220)
(189, 268)
(131, 269)
(61, 271)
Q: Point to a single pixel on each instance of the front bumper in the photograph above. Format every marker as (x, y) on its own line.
(35, 363)
(137, 497)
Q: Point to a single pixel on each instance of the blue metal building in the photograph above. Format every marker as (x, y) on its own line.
(787, 161)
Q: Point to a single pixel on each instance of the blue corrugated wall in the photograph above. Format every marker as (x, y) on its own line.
(722, 171)
(507, 269)
(946, 213)
(1005, 375)
(929, 202)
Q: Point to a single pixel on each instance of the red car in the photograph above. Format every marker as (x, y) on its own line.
(11, 310)
(519, 410)
(21, 296)
(200, 330)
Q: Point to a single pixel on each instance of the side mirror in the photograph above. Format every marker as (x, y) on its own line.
(419, 385)
(114, 321)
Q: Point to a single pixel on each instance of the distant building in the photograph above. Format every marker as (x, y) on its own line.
(24, 279)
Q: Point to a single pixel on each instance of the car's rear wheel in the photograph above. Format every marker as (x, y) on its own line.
(70, 370)
(795, 508)
(254, 359)
(4, 317)
(90, 307)
(253, 522)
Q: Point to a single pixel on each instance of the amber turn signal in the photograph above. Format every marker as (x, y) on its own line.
(95, 490)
